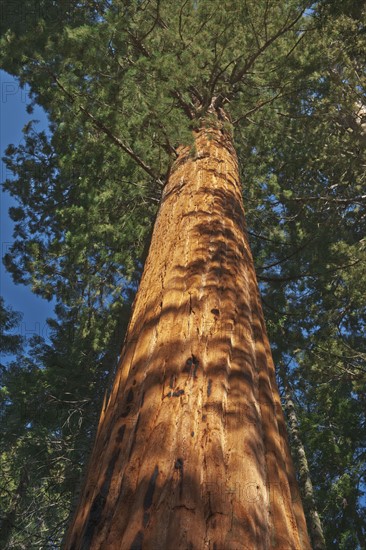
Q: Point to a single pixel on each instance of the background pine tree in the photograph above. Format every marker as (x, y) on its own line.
(124, 83)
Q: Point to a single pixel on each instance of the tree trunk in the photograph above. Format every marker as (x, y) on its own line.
(8, 522)
(191, 450)
(306, 486)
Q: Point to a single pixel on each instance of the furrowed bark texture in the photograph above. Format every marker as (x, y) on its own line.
(191, 450)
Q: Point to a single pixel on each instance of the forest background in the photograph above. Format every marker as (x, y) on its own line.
(300, 134)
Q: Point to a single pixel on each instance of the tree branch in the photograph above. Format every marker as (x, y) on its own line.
(101, 126)
(237, 74)
(257, 107)
(288, 257)
(304, 275)
(355, 200)
(189, 110)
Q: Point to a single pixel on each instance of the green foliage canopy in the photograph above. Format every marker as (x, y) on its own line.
(124, 83)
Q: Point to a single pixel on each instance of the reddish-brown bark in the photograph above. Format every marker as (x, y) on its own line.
(191, 450)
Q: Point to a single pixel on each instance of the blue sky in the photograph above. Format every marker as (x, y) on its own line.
(13, 117)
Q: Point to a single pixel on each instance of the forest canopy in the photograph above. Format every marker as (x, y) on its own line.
(124, 83)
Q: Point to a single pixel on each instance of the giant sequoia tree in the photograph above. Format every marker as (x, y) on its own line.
(148, 102)
(191, 448)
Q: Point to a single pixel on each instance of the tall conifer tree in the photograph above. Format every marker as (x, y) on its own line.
(191, 450)
(155, 97)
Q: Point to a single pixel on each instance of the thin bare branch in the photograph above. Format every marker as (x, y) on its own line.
(288, 257)
(354, 200)
(304, 275)
(101, 126)
(181, 21)
(237, 74)
(257, 107)
(189, 110)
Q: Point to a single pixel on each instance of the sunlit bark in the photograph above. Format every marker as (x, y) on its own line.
(191, 450)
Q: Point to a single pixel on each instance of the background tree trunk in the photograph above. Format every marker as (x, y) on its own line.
(306, 486)
(191, 449)
(9, 519)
